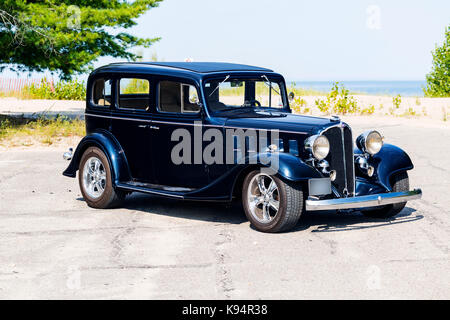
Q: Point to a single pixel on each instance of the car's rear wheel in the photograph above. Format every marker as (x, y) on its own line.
(400, 182)
(270, 204)
(95, 180)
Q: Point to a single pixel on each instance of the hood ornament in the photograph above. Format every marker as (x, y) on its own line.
(335, 118)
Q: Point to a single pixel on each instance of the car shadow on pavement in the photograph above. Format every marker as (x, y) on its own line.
(233, 213)
(195, 210)
(330, 221)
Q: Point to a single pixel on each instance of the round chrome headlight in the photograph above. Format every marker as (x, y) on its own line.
(318, 145)
(370, 142)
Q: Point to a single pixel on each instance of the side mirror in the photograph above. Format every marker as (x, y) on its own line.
(291, 96)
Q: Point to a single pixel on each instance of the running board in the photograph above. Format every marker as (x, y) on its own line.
(159, 186)
(169, 192)
(142, 188)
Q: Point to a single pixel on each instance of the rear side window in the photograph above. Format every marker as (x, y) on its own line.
(102, 92)
(177, 97)
(134, 93)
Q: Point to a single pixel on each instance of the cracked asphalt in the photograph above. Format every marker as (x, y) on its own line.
(52, 246)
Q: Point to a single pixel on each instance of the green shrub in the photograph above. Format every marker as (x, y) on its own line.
(396, 101)
(62, 90)
(338, 101)
(369, 110)
(298, 105)
(323, 105)
(410, 112)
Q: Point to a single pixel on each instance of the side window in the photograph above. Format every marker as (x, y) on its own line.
(134, 93)
(177, 97)
(101, 94)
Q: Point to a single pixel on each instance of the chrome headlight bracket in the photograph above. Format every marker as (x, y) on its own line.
(363, 163)
(324, 166)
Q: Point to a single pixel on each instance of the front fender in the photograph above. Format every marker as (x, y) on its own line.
(388, 161)
(295, 169)
(112, 149)
(288, 166)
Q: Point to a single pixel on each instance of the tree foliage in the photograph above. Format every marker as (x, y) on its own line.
(438, 80)
(66, 36)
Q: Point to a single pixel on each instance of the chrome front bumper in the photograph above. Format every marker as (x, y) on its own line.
(372, 200)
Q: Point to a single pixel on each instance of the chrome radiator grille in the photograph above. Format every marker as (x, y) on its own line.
(341, 160)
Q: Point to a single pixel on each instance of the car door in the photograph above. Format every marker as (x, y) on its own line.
(176, 115)
(131, 122)
(99, 100)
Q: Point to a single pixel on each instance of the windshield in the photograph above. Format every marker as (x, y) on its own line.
(231, 93)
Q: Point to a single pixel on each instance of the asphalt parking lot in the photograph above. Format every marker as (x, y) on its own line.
(53, 246)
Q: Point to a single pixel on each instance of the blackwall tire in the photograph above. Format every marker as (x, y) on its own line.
(94, 178)
(259, 205)
(400, 182)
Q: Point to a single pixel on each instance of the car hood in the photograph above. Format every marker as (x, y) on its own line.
(284, 122)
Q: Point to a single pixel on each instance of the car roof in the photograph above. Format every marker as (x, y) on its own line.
(196, 69)
(200, 67)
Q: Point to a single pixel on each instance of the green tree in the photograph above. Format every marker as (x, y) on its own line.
(438, 80)
(67, 36)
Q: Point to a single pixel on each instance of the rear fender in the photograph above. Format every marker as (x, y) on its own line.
(112, 149)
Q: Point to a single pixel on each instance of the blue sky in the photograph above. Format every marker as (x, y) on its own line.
(303, 40)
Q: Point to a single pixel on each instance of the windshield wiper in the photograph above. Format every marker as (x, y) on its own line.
(269, 83)
(226, 78)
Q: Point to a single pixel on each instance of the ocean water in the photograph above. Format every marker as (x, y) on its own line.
(404, 88)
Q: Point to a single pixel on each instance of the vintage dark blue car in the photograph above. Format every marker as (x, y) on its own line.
(220, 131)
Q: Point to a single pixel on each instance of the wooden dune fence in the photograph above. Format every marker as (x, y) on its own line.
(8, 85)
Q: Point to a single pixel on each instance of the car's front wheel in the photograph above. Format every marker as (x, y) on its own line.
(95, 180)
(270, 204)
(400, 182)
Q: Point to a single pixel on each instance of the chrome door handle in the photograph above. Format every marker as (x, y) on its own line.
(146, 126)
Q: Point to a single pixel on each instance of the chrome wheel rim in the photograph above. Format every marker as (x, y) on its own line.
(263, 198)
(94, 177)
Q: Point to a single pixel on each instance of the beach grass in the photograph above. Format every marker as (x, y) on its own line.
(19, 131)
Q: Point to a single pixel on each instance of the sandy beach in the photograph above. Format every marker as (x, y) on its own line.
(426, 110)
(410, 107)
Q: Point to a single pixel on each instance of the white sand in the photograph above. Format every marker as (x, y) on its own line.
(424, 108)
(427, 110)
